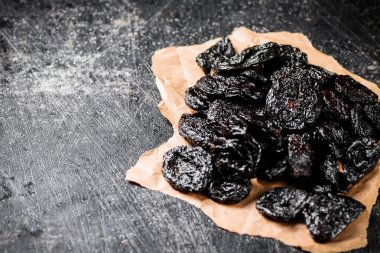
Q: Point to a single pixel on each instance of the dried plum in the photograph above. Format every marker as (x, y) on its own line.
(334, 106)
(194, 129)
(196, 99)
(353, 90)
(327, 215)
(282, 204)
(359, 123)
(271, 167)
(237, 158)
(300, 155)
(220, 52)
(229, 192)
(292, 100)
(361, 158)
(321, 76)
(372, 111)
(187, 169)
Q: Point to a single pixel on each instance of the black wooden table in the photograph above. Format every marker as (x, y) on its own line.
(78, 105)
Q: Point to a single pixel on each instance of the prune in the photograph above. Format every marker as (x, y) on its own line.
(236, 158)
(334, 106)
(292, 100)
(194, 129)
(272, 168)
(353, 90)
(187, 169)
(321, 76)
(292, 56)
(282, 204)
(361, 158)
(334, 136)
(196, 99)
(220, 52)
(359, 123)
(251, 56)
(330, 170)
(229, 192)
(209, 86)
(300, 155)
(327, 215)
(372, 111)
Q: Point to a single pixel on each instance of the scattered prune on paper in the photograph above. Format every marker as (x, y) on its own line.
(326, 215)
(187, 169)
(361, 158)
(292, 100)
(300, 155)
(282, 204)
(266, 113)
(353, 90)
(218, 53)
(194, 129)
(229, 191)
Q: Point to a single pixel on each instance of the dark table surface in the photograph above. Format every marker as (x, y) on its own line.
(78, 105)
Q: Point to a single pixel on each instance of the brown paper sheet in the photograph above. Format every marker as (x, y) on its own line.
(175, 70)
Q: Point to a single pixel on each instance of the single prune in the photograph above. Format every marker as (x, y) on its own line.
(282, 204)
(334, 106)
(292, 56)
(334, 136)
(220, 52)
(251, 56)
(209, 86)
(196, 99)
(292, 100)
(272, 167)
(236, 158)
(327, 215)
(372, 111)
(361, 126)
(187, 169)
(194, 129)
(229, 191)
(330, 170)
(321, 76)
(361, 158)
(300, 155)
(353, 90)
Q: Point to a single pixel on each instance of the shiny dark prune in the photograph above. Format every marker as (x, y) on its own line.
(327, 215)
(272, 167)
(361, 126)
(292, 56)
(236, 158)
(196, 99)
(282, 204)
(194, 129)
(361, 158)
(229, 191)
(321, 76)
(353, 90)
(372, 111)
(251, 56)
(220, 52)
(334, 106)
(187, 169)
(292, 100)
(300, 155)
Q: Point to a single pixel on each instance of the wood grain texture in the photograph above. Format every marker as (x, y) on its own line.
(78, 106)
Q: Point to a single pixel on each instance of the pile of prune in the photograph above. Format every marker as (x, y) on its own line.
(266, 113)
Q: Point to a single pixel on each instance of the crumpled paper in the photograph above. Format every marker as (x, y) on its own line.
(175, 70)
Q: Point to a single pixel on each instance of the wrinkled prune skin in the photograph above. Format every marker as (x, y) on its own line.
(300, 155)
(292, 56)
(353, 90)
(326, 215)
(372, 111)
(359, 123)
(272, 168)
(236, 158)
(334, 106)
(251, 56)
(230, 191)
(322, 77)
(194, 129)
(361, 158)
(220, 52)
(334, 136)
(187, 169)
(292, 100)
(196, 99)
(282, 204)
(330, 170)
